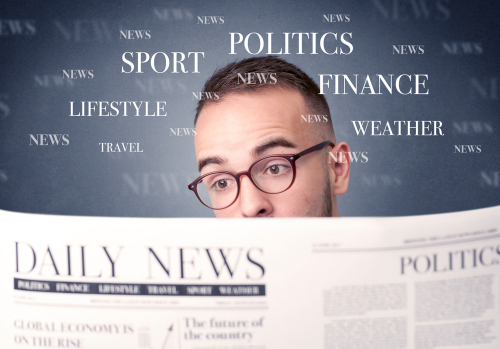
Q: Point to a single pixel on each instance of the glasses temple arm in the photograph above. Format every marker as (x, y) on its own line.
(315, 148)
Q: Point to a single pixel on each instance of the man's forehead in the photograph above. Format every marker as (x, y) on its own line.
(232, 128)
(242, 112)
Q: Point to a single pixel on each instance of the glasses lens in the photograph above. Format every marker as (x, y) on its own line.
(272, 175)
(218, 190)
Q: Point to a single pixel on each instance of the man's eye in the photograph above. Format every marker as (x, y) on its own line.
(221, 184)
(276, 169)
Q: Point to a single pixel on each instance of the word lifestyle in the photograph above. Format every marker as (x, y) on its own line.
(118, 108)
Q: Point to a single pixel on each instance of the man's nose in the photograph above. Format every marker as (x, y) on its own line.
(253, 202)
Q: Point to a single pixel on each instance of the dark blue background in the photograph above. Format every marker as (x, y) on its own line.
(404, 175)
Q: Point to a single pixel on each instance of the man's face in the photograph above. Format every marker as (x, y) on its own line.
(243, 128)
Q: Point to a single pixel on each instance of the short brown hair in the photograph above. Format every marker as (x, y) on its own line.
(225, 81)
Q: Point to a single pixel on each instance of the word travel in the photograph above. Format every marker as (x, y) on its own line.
(120, 147)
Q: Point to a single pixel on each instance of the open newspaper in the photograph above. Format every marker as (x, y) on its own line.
(412, 282)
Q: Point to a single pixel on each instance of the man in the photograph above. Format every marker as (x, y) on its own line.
(253, 119)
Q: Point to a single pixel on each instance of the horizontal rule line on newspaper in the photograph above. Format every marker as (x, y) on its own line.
(405, 247)
(155, 307)
(138, 289)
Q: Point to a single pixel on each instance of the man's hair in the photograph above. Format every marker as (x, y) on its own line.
(227, 81)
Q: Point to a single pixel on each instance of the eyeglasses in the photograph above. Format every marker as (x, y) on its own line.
(272, 174)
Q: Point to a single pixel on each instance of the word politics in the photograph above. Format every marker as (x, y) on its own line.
(237, 38)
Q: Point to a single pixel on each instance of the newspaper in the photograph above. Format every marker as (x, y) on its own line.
(412, 282)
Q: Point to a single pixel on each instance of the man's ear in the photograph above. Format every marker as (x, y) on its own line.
(339, 166)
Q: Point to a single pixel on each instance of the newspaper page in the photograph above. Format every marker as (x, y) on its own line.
(412, 282)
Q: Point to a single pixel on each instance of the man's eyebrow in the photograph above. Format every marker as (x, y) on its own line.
(210, 160)
(277, 142)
